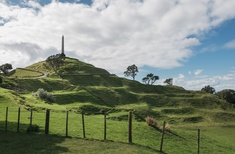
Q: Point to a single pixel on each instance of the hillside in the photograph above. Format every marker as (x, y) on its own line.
(79, 86)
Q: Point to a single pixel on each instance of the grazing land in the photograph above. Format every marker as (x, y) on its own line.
(80, 87)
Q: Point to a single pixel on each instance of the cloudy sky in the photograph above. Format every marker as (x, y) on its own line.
(191, 41)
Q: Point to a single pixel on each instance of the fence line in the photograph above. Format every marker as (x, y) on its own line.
(47, 124)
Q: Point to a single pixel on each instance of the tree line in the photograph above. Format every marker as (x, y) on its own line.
(226, 94)
(150, 78)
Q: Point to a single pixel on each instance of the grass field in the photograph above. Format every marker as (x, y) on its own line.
(215, 139)
(81, 87)
(43, 144)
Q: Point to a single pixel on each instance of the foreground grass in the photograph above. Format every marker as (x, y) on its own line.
(147, 139)
(21, 143)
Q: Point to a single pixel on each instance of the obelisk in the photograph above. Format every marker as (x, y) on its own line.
(62, 49)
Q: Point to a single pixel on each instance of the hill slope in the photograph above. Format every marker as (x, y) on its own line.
(79, 86)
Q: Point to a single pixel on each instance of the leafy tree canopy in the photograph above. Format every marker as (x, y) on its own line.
(131, 71)
(55, 61)
(150, 78)
(208, 89)
(228, 95)
(5, 68)
(169, 81)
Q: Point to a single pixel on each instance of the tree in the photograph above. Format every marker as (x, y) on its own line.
(131, 71)
(55, 61)
(1, 80)
(228, 95)
(150, 78)
(5, 68)
(208, 89)
(169, 81)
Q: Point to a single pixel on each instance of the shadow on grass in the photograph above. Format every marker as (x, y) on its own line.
(13, 142)
(124, 143)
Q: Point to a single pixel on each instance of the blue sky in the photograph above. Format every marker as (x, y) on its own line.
(191, 41)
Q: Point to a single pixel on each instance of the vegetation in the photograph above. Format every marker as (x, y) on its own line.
(150, 78)
(1, 80)
(169, 81)
(5, 68)
(21, 143)
(81, 87)
(43, 94)
(208, 89)
(228, 95)
(152, 122)
(55, 61)
(131, 71)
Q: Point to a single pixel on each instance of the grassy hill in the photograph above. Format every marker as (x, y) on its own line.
(78, 86)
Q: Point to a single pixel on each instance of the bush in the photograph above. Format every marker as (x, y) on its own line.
(228, 95)
(44, 95)
(151, 122)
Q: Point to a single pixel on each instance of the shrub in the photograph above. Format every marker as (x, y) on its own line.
(228, 95)
(43, 94)
(151, 122)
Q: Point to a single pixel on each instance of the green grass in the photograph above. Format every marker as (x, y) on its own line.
(181, 140)
(33, 143)
(25, 73)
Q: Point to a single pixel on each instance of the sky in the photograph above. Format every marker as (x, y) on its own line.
(191, 41)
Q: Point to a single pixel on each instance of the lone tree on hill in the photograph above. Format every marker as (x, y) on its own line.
(55, 61)
(5, 68)
(169, 81)
(150, 78)
(131, 71)
(208, 89)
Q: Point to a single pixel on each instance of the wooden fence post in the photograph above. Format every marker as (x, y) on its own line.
(104, 125)
(163, 131)
(198, 142)
(67, 122)
(83, 125)
(31, 120)
(6, 118)
(130, 127)
(47, 122)
(18, 124)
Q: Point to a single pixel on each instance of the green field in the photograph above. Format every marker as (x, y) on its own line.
(81, 87)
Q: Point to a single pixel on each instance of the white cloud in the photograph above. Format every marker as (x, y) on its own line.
(230, 44)
(180, 76)
(226, 81)
(110, 34)
(32, 3)
(198, 72)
